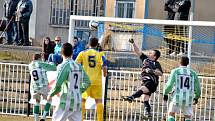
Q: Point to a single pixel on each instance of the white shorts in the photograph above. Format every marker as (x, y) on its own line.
(42, 92)
(63, 115)
(186, 110)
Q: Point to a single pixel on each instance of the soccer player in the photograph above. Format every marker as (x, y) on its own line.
(151, 71)
(39, 83)
(186, 83)
(71, 82)
(93, 63)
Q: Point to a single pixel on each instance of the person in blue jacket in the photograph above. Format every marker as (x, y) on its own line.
(78, 47)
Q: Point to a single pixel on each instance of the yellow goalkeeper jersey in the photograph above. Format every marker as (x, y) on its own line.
(92, 62)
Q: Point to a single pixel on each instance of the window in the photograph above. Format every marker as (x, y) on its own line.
(125, 8)
(62, 9)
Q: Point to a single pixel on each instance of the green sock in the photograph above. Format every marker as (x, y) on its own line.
(36, 112)
(47, 107)
(171, 118)
(187, 119)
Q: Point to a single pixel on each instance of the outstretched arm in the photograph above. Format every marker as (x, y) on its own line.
(136, 49)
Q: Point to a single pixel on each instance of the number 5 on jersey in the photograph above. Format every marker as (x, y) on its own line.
(92, 61)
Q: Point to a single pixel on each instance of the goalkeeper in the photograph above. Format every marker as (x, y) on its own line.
(186, 84)
(151, 71)
(39, 83)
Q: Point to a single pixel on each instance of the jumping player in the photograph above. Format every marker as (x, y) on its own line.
(151, 71)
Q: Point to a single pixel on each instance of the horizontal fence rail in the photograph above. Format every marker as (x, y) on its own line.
(14, 96)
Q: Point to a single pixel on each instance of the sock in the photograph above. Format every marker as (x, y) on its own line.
(187, 119)
(137, 94)
(83, 110)
(36, 112)
(99, 111)
(147, 106)
(47, 107)
(171, 118)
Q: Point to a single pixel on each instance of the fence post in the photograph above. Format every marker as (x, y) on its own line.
(29, 97)
(105, 97)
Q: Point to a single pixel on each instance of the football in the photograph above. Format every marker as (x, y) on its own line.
(93, 25)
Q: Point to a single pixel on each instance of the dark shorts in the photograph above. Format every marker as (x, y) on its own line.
(151, 85)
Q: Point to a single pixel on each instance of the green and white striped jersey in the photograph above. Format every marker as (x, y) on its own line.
(38, 74)
(71, 82)
(186, 86)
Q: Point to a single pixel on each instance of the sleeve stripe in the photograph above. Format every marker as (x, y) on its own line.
(104, 61)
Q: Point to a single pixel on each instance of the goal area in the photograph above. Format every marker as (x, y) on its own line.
(195, 39)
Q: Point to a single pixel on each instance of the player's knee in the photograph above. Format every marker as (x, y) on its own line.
(144, 89)
(98, 100)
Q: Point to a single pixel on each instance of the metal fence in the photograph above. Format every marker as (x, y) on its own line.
(14, 95)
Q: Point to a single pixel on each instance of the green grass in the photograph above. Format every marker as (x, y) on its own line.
(17, 118)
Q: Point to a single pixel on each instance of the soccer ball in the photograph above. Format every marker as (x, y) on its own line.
(93, 25)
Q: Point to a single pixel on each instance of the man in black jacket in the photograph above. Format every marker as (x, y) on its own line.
(23, 13)
(179, 10)
(10, 9)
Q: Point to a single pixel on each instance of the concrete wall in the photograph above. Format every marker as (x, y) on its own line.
(1, 8)
(40, 23)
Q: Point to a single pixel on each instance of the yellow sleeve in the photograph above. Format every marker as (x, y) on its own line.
(79, 59)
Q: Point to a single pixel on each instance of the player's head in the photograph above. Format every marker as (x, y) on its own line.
(184, 61)
(154, 54)
(37, 56)
(67, 50)
(93, 42)
(75, 41)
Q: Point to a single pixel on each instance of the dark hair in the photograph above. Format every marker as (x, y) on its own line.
(184, 61)
(67, 50)
(36, 56)
(93, 42)
(76, 38)
(47, 48)
(157, 54)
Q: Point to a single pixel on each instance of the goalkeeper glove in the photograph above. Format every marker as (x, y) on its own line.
(131, 40)
(195, 101)
(165, 97)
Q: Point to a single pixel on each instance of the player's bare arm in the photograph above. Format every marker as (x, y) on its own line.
(136, 49)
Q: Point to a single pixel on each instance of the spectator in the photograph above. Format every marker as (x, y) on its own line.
(10, 9)
(182, 8)
(78, 47)
(179, 10)
(23, 13)
(56, 57)
(169, 29)
(47, 48)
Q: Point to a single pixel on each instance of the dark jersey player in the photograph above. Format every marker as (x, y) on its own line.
(150, 73)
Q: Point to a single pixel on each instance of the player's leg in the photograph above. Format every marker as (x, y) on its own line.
(147, 105)
(99, 109)
(97, 95)
(147, 87)
(75, 116)
(83, 108)
(36, 107)
(60, 114)
(47, 106)
(84, 97)
(173, 109)
(188, 113)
